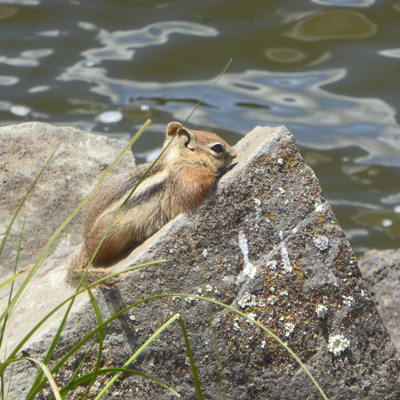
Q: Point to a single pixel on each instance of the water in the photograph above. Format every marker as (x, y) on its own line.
(327, 69)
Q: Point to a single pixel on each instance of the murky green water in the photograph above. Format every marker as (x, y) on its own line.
(327, 69)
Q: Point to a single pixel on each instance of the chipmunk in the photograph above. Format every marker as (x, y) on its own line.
(177, 183)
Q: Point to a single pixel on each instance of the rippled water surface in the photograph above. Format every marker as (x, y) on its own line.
(327, 69)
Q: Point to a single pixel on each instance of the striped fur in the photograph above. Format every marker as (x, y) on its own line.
(178, 182)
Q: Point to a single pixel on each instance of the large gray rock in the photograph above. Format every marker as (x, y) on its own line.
(267, 243)
(381, 269)
(73, 172)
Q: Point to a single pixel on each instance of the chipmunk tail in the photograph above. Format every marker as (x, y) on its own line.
(74, 277)
(76, 271)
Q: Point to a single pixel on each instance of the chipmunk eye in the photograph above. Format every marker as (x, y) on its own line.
(217, 148)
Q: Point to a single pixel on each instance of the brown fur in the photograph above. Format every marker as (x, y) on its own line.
(178, 182)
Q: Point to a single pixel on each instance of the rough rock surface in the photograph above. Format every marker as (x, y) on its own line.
(381, 269)
(75, 169)
(267, 243)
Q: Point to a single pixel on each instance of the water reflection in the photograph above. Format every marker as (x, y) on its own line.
(28, 58)
(320, 119)
(393, 53)
(285, 55)
(121, 45)
(345, 3)
(122, 62)
(337, 24)
(7, 11)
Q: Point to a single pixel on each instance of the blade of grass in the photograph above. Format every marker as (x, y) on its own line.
(52, 249)
(145, 175)
(217, 351)
(70, 300)
(137, 353)
(88, 337)
(8, 388)
(3, 328)
(37, 387)
(46, 372)
(14, 277)
(78, 368)
(133, 140)
(240, 313)
(192, 365)
(186, 120)
(105, 371)
(101, 340)
(27, 195)
(23, 270)
(208, 91)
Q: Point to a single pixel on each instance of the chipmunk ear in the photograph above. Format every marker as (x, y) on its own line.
(172, 128)
(186, 138)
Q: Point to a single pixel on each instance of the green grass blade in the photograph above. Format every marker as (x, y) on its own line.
(218, 303)
(51, 348)
(3, 328)
(208, 91)
(45, 370)
(3, 388)
(52, 249)
(183, 124)
(78, 368)
(43, 254)
(49, 377)
(14, 277)
(100, 338)
(38, 380)
(217, 351)
(138, 352)
(192, 365)
(240, 313)
(46, 164)
(148, 171)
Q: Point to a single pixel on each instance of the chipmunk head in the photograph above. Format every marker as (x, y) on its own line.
(204, 149)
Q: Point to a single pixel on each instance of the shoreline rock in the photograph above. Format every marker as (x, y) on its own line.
(75, 169)
(381, 269)
(266, 242)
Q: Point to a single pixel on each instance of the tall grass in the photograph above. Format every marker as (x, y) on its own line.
(45, 374)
